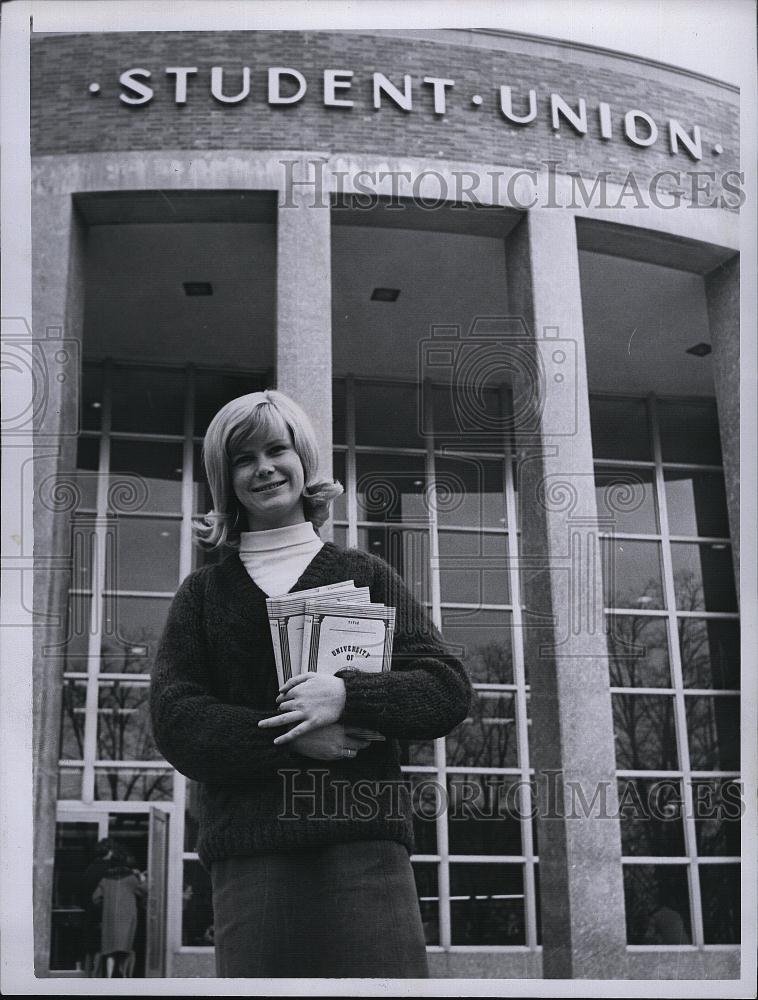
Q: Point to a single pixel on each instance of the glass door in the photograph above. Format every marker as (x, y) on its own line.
(155, 960)
(76, 838)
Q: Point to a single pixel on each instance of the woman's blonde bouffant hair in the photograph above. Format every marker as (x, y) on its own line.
(257, 412)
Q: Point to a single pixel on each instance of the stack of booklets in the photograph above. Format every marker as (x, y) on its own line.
(330, 628)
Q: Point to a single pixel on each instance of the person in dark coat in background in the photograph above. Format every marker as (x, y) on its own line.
(90, 879)
(119, 890)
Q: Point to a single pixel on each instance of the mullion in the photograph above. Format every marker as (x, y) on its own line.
(675, 662)
(440, 746)
(94, 645)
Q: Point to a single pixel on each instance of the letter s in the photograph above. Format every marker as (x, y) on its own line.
(127, 79)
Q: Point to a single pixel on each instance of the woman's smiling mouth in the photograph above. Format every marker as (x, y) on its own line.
(269, 486)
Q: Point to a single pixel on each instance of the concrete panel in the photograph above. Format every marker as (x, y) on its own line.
(304, 315)
(57, 240)
(722, 288)
(582, 900)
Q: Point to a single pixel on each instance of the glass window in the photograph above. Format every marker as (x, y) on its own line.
(703, 577)
(710, 651)
(339, 431)
(657, 904)
(124, 731)
(689, 431)
(340, 536)
(197, 906)
(645, 732)
(146, 476)
(473, 568)
(406, 551)
(132, 630)
(638, 651)
(74, 850)
(85, 474)
(70, 783)
(91, 397)
(72, 719)
(191, 815)
(482, 639)
(717, 807)
(632, 574)
(148, 400)
(620, 429)
(339, 506)
(388, 415)
(487, 904)
(720, 892)
(470, 418)
(696, 502)
(651, 816)
(213, 389)
(626, 498)
(469, 492)
(122, 784)
(487, 737)
(78, 632)
(425, 874)
(392, 488)
(713, 729)
(428, 803)
(418, 752)
(484, 814)
(147, 554)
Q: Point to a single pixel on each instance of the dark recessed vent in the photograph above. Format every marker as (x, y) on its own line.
(385, 294)
(198, 288)
(699, 350)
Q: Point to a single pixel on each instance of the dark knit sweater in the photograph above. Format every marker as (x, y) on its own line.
(214, 678)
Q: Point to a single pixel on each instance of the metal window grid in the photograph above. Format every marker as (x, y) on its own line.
(685, 774)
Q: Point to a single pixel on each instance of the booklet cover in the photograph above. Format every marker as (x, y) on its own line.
(286, 614)
(339, 635)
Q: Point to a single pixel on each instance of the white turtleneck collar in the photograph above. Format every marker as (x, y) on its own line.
(276, 558)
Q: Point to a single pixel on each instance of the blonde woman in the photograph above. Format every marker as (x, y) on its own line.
(305, 828)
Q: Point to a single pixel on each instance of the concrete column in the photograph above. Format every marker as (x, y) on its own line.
(572, 743)
(57, 308)
(304, 313)
(722, 288)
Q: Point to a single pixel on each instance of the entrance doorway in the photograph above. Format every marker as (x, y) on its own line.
(75, 932)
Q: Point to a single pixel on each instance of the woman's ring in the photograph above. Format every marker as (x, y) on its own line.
(347, 752)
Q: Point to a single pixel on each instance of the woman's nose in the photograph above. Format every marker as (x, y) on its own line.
(265, 468)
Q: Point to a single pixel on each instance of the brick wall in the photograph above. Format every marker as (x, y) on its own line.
(66, 118)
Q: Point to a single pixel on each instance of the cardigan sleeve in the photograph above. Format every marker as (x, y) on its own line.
(426, 693)
(201, 736)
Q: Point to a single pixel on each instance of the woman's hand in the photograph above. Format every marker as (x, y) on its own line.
(329, 743)
(307, 702)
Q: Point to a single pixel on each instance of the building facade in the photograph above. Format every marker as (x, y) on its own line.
(502, 274)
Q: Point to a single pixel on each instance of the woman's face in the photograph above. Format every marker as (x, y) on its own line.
(268, 480)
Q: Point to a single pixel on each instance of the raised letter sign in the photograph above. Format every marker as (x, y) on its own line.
(578, 119)
(506, 106)
(275, 75)
(180, 89)
(127, 79)
(383, 85)
(693, 143)
(217, 85)
(630, 128)
(337, 79)
(439, 92)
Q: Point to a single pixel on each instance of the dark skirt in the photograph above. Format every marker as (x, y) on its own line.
(339, 911)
